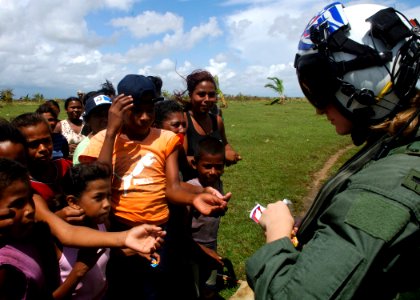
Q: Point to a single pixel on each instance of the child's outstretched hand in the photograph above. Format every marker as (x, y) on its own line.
(213, 191)
(144, 238)
(154, 257)
(208, 204)
(120, 104)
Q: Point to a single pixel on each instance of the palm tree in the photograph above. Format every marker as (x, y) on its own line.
(38, 98)
(277, 86)
(219, 92)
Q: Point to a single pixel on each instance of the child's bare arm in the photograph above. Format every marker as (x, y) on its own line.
(116, 113)
(188, 158)
(143, 238)
(86, 259)
(231, 156)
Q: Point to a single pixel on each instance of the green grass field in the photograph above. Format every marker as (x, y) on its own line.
(281, 147)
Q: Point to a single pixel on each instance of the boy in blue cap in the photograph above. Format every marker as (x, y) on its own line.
(96, 117)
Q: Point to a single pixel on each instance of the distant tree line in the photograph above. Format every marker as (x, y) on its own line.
(7, 96)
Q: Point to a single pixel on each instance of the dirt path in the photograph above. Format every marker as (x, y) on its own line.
(320, 176)
(244, 292)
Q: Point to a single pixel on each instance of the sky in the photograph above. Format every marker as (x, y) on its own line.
(57, 48)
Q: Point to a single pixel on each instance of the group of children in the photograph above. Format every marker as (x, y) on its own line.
(125, 190)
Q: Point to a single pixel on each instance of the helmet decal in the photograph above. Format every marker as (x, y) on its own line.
(364, 59)
(332, 18)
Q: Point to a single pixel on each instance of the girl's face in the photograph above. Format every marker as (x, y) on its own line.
(342, 125)
(18, 198)
(175, 122)
(39, 140)
(203, 97)
(95, 200)
(50, 119)
(74, 110)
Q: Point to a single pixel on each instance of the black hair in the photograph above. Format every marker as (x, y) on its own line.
(53, 103)
(192, 80)
(81, 174)
(9, 132)
(197, 76)
(157, 81)
(46, 108)
(164, 108)
(87, 96)
(107, 88)
(77, 179)
(70, 99)
(11, 171)
(29, 119)
(209, 145)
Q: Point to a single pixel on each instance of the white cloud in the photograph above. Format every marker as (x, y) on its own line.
(150, 23)
(120, 4)
(78, 44)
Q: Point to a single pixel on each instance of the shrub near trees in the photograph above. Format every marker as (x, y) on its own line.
(6, 95)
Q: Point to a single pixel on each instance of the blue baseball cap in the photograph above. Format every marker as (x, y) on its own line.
(137, 86)
(94, 101)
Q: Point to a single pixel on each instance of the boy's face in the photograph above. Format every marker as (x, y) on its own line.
(95, 200)
(140, 118)
(175, 122)
(18, 198)
(210, 167)
(39, 140)
(98, 119)
(50, 119)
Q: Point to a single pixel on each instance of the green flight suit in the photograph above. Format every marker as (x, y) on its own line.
(360, 239)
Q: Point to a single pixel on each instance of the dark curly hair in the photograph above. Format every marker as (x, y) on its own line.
(77, 179)
(164, 108)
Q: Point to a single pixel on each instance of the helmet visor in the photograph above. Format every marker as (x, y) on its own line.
(317, 79)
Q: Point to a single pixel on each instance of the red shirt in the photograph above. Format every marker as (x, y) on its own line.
(49, 190)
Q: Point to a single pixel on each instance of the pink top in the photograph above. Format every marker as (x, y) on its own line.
(24, 257)
(94, 284)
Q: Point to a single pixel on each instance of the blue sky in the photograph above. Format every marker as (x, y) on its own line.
(59, 47)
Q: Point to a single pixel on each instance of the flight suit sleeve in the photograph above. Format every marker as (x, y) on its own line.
(335, 261)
